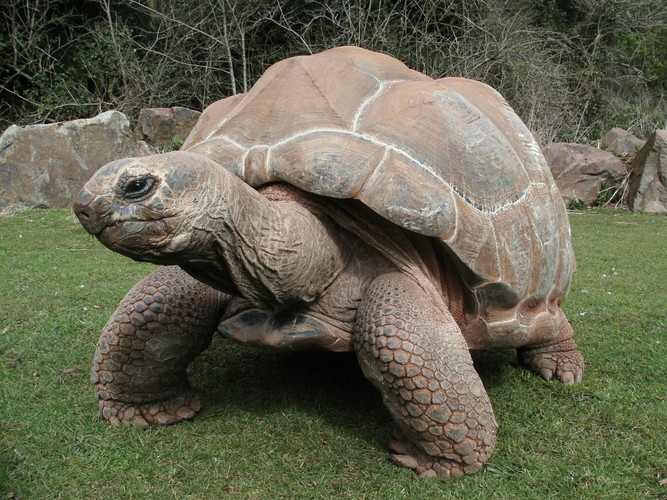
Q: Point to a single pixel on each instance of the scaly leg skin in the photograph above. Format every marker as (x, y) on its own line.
(559, 359)
(414, 353)
(161, 325)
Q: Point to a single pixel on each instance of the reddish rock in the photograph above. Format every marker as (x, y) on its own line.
(161, 126)
(581, 171)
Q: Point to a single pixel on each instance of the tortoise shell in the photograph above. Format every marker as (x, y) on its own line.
(445, 158)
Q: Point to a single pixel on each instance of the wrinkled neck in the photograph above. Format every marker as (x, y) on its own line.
(272, 253)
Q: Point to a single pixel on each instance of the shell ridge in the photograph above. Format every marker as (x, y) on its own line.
(242, 162)
(324, 95)
(510, 203)
(380, 88)
(496, 251)
(371, 177)
(306, 133)
(220, 138)
(267, 163)
(348, 63)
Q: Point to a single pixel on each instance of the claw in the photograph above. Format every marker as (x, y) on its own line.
(163, 418)
(140, 421)
(185, 413)
(567, 378)
(408, 461)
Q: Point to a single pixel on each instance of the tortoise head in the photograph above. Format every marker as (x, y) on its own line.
(147, 208)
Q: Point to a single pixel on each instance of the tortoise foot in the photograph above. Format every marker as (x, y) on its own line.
(182, 406)
(561, 361)
(406, 454)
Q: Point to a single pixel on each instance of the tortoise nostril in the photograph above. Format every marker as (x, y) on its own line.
(89, 217)
(81, 211)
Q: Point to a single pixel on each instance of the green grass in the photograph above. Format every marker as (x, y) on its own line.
(288, 425)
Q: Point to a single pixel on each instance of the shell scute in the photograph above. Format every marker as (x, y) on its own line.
(391, 189)
(328, 163)
(504, 121)
(445, 133)
(474, 241)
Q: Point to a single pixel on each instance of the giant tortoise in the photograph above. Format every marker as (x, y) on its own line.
(345, 202)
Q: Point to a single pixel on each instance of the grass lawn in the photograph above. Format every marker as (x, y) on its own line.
(290, 425)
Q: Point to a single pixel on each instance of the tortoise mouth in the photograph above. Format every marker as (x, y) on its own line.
(132, 233)
(150, 240)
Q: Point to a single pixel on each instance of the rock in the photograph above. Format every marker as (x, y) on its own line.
(648, 181)
(621, 142)
(46, 165)
(161, 126)
(581, 171)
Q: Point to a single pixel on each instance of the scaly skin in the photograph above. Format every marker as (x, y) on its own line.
(559, 359)
(414, 353)
(166, 320)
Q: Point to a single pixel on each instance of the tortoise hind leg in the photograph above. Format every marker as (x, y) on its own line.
(161, 325)
(414, 353)
(558, 359)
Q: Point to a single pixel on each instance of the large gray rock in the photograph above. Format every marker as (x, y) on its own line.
(46, 165)
(621, 142)
(580, 171)
(648, 181)
(161, 126)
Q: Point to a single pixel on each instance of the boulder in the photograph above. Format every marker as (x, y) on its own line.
(46, 165)
(648, 181)
(581, 171)
(621, 142)
(161, 126)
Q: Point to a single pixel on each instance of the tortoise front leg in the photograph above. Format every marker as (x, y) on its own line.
(162, 324)
(559, 359)
(414, 353)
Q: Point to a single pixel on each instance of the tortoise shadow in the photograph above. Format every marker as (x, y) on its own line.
(330, 386)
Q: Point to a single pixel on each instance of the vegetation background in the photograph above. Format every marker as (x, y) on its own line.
(572, 69)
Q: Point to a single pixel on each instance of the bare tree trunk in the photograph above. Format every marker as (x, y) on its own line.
(106, 5)
(225, 38)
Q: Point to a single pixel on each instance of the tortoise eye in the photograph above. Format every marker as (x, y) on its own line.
(138, 188)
